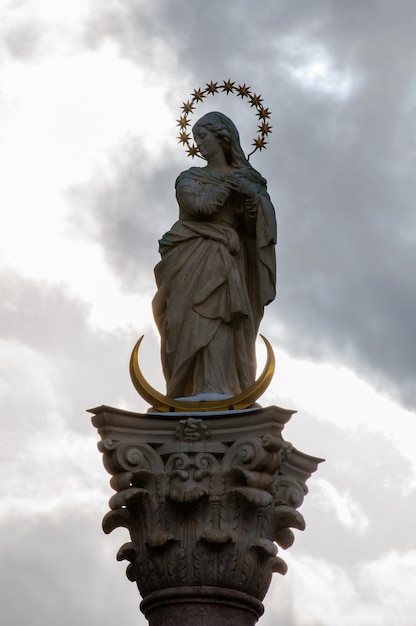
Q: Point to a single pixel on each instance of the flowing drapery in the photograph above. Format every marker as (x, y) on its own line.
(216, 274)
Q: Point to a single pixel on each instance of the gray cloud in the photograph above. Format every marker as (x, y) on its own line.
(129, 215)
(369, 474)
(58, 569)
(46, 322)
(22, 40)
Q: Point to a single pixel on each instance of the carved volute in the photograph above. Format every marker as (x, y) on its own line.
(207, 499)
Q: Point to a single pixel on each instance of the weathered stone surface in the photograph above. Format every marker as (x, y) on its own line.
(205, 497)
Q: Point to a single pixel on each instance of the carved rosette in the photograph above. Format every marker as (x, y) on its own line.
(207, 499)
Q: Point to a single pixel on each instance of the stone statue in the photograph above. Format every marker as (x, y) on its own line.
(208, 493)
(218, 268)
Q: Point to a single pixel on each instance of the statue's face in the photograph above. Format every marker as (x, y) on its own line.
(208, 144)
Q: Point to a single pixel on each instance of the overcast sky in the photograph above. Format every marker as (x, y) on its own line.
(90, 91)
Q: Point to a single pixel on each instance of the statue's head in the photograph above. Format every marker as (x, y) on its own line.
(226, 132)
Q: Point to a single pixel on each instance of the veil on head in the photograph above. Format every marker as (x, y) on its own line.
(225, 130)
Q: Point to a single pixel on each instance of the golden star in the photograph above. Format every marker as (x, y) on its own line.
(243, 91)
(183, 137)
(227, 86)
(264, 113)
(192, 151)
(187, 107)
(255, 100)
(183, 121)
(259, 143)
(265, 128)
(212, 87)
(198, 95)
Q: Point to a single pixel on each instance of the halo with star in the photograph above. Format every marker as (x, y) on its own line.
(227, 86)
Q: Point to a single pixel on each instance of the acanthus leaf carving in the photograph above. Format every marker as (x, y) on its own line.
(159, 539)
(116, 519)
(284, 538)
(256, 497)
(216, 535)
(127, 496)
(186, 495)
(205, 500)
(127, 552)
(279, 566)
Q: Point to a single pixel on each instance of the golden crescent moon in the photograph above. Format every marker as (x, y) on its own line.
(165, 404)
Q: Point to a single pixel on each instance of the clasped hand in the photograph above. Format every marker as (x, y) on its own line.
(237, 182)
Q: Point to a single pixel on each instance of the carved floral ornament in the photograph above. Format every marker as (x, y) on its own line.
(227, 86)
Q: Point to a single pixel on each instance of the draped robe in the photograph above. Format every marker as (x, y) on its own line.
(216, 274)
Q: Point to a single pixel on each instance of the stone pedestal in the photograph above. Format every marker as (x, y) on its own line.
(206, 498)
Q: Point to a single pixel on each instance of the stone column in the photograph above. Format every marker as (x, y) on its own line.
(207, 499)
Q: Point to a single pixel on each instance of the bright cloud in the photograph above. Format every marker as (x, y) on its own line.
(310, 65)
(326, 497)
(59, 129)
(41, 455)
(337, 395)
(369, 594)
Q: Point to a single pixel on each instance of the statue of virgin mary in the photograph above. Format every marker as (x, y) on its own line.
(217, 270)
